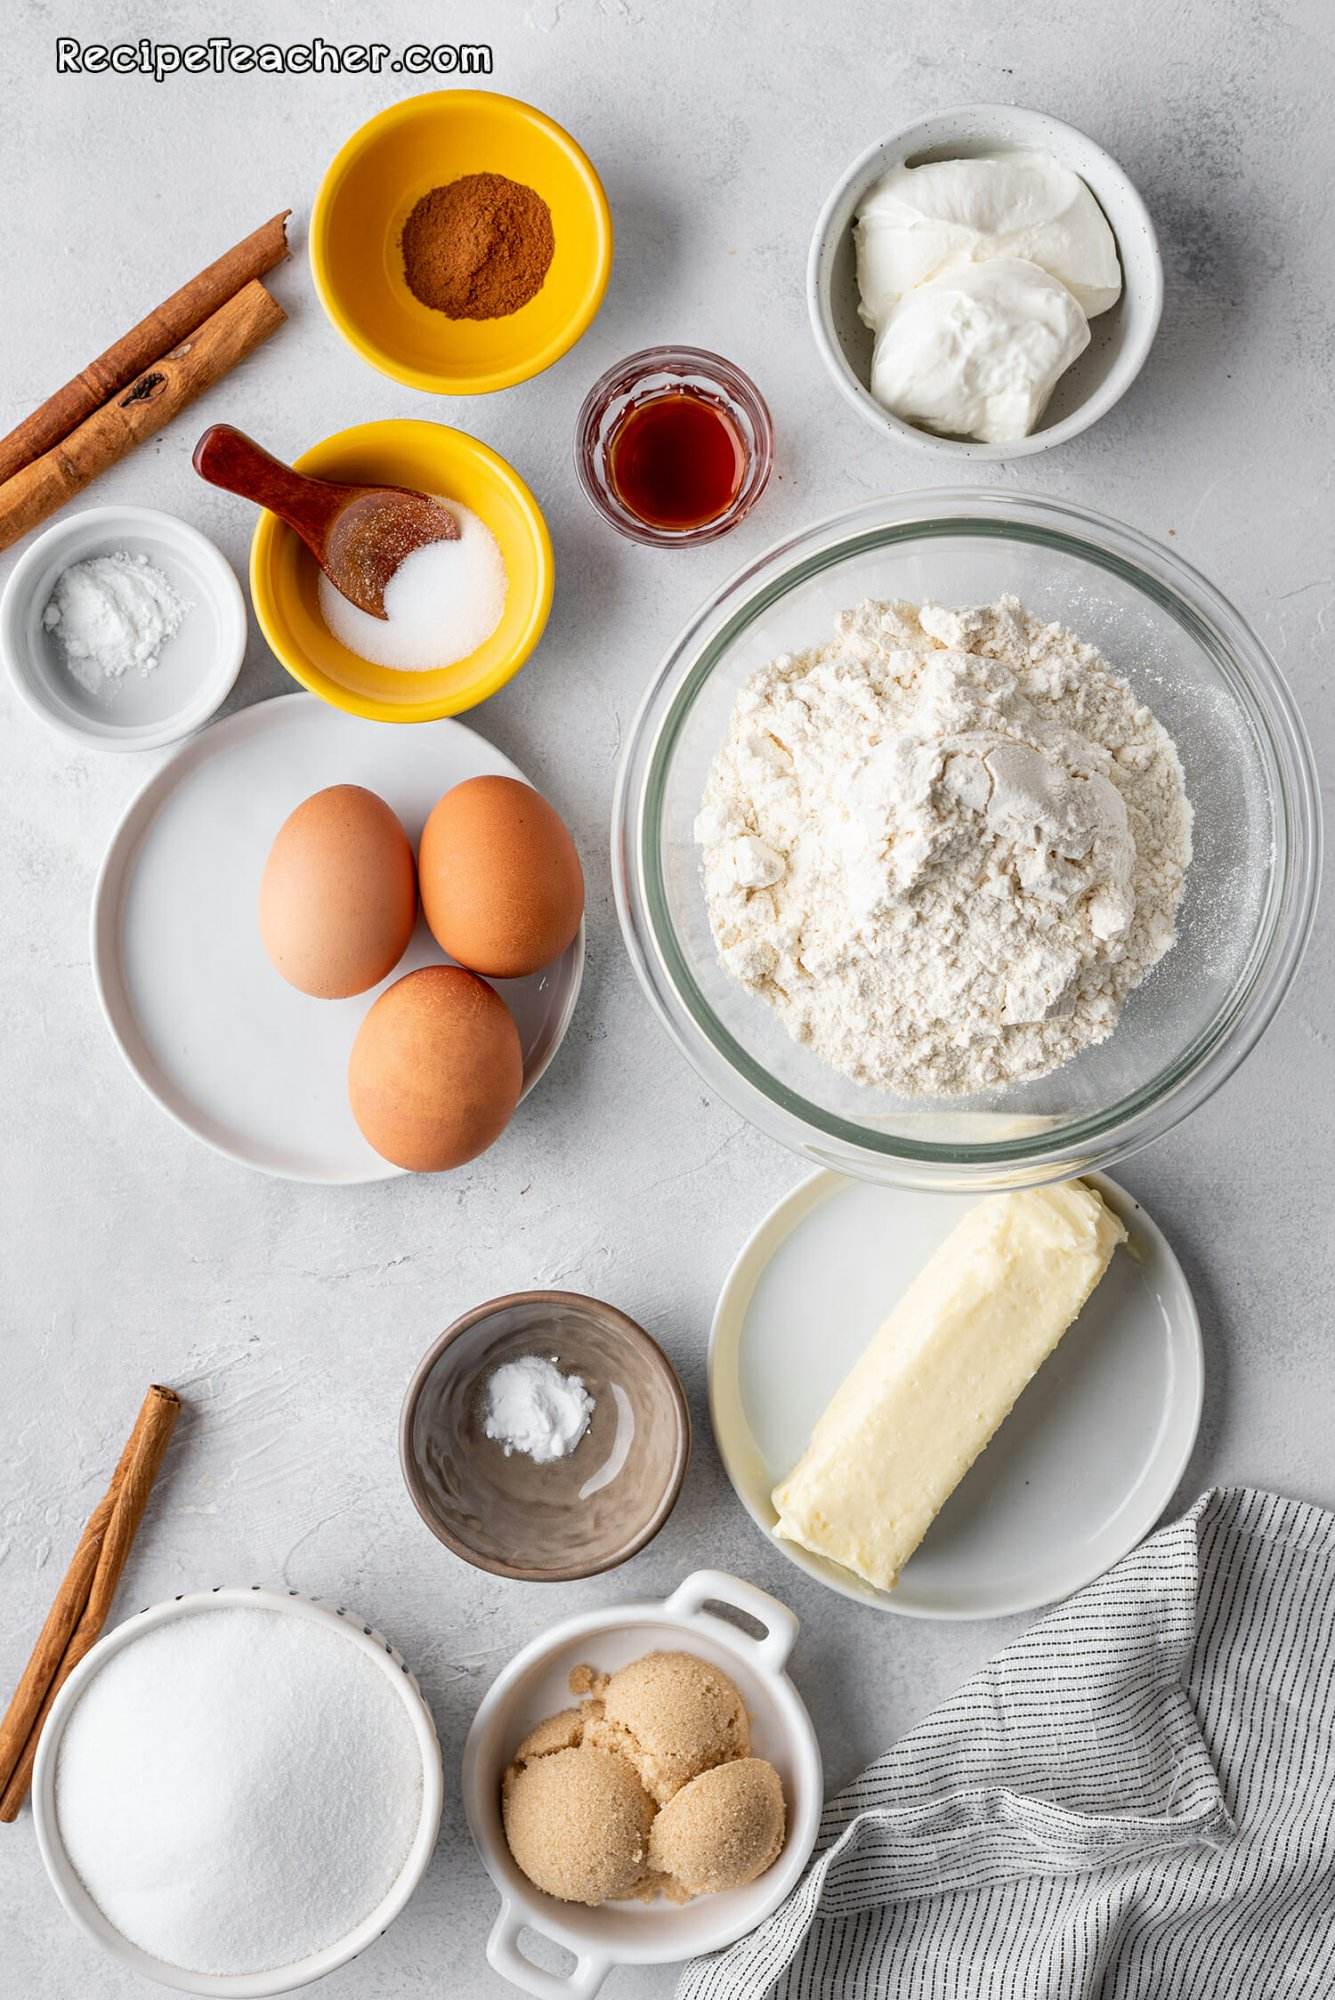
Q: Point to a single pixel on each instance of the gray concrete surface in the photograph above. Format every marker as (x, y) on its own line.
(291, 1316)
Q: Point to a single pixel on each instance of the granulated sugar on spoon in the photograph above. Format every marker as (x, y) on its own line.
(411, 581)
(359, 535)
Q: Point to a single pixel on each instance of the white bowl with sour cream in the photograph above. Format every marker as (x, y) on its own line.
(1120, 339)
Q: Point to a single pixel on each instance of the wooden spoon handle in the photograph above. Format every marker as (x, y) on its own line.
(228, 458)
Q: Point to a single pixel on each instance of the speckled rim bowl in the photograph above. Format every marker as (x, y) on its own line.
(198, 666)
(281, 1979)
(572, 1518)
(536, 1684)
(372, 186)
(429, 458)
(1120, 339)
(1250, 892)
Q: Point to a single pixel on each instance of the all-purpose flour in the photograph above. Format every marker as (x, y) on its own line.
(944, 846)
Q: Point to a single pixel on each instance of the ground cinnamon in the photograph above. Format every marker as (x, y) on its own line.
(479, 247)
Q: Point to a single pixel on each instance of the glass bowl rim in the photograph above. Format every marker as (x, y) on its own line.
(1158, 573)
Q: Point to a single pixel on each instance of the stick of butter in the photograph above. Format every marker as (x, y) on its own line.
(942, 1375)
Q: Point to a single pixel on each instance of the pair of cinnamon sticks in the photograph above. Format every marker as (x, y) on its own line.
(126, 395)
(75, 1620)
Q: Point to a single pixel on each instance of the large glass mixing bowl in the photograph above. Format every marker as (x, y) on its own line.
(1250, 893)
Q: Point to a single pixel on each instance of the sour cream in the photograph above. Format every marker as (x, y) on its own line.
(979, 277)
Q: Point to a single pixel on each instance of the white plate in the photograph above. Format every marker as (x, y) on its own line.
(240, 1058)
(1079, 1472)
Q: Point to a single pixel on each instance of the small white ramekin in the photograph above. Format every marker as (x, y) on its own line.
(1119, 339)
(199, 665)
(282, 1979)
(536, 1684)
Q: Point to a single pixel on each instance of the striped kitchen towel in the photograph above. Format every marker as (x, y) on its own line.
(1135, 1801)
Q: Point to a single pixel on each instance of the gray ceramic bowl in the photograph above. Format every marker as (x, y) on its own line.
(576, 1516)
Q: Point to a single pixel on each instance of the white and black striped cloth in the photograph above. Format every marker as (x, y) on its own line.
(1135, 1801)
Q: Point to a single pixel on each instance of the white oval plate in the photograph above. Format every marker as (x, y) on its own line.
(255, 1069)
(1080, 1471)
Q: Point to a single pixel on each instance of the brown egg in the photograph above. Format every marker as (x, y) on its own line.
(502, 888)
(436, 1069)
(338, 899)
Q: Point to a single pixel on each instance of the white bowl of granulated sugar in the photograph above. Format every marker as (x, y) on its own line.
(237, 1792)
(123, 628)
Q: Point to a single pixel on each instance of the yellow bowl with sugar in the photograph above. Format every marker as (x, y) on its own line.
(432, 458)
(374, 184)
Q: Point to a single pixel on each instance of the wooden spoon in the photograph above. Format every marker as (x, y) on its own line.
(358, 534)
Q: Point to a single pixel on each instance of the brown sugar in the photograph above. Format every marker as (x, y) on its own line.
(577, 1822)
(672, 1716)
(721, 1830)
(646, 1789)
(479, 247)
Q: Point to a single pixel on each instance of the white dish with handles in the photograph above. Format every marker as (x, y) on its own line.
(536, 1684)
(1120, 339)
(281, 1979)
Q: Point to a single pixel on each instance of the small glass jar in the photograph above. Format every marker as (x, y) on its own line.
(640, 379)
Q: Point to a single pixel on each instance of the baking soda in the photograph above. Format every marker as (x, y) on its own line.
(535, 1409)
(113, 615)
(238, 1788)
(442, 603)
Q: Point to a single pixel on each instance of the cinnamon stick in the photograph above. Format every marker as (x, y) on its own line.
(155, 334)
(71, 1599)
(85, 1596)
(152, 400)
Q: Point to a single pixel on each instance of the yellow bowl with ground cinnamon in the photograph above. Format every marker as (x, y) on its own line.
(430, 458)
(461, 241)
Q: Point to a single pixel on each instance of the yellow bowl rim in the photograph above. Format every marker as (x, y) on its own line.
(441, 381)
(312, 677)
